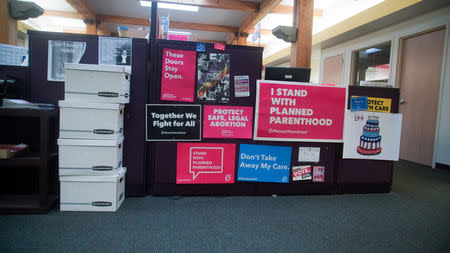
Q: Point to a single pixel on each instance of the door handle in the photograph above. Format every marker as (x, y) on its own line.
(402, 101)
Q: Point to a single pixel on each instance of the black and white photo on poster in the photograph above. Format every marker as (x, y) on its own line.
(114, 51)
(170, 122)
(60, 52)
(213, 77)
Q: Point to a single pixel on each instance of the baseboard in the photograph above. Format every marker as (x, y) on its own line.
(242, 189)
(135, 190)
(359, 188)
(442, 166)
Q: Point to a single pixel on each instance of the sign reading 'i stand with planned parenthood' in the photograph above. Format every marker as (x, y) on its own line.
(299, 112)
(173, 122)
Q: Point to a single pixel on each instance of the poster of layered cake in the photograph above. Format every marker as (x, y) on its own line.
(372, 135)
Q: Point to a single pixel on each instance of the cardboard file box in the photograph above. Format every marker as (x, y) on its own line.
(86, 120)
(93, 193)
(89, 157)
(97, 83)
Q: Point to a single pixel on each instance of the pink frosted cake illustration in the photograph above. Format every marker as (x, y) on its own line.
(370, 141)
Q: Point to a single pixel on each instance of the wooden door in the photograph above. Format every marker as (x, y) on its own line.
(333, 69)
(420, 78)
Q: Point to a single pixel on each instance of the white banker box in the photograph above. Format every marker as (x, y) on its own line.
(87, 120)
(97, 83)
(89, 157)
(93, 193)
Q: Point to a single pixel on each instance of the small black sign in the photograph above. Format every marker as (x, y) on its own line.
(173, 122)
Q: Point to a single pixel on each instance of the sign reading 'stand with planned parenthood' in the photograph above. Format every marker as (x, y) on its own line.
(173, 122)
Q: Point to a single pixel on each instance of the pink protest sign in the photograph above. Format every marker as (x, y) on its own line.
(219, 46)
(205, 163)
(288, 111)
(178, 75)
(183, 37)
(318, 174)
(227, 122)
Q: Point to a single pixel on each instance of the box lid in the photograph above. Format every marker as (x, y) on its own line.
(95, 67)
(100, 178)
(90, 142)
(82, 104)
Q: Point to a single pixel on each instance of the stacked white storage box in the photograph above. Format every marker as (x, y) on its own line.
(90, 140)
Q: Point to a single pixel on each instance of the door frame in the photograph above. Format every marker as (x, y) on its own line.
(401, 42)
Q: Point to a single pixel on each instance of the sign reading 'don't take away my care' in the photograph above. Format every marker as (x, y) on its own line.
(227, 122)
(178, 75)
(263, 163)
(173, 122)
(288, 111)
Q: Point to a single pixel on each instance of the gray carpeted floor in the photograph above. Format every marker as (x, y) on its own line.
(415, 217)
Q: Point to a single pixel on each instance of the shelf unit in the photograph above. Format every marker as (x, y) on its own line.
(45, 160)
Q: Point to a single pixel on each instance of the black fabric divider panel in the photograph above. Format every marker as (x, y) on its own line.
(366, 175)
(22, 75)
(43, 91)
(243, 61)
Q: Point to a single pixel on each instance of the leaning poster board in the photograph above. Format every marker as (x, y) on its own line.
(372, 135)
(289, 111)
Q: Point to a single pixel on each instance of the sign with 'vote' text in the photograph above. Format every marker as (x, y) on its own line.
(178, 75)
(205, 163)
(288, 111)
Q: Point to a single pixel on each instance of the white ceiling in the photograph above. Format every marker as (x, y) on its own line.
(57, 5)
(204, 15)
(333, 12)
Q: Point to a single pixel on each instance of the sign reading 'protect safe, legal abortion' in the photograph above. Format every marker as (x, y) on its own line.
(299, 112)
(227, 122)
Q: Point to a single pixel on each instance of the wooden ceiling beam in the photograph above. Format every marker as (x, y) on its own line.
(287, 9)
(254, 18)
(202, 27)
(124, 20)
(82, 8)
(102, 29)
(262, 31)
(253, 44)
(146, 22)
(235, 5)
(172, 24)
(84, 11)
(65, 14)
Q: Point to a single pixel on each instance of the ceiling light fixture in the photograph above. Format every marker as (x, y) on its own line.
(180, 7)
(372, 50)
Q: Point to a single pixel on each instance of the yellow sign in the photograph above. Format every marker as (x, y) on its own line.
(21, 26)
(379, 104)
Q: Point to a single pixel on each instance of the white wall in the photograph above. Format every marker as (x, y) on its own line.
(393, 34)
